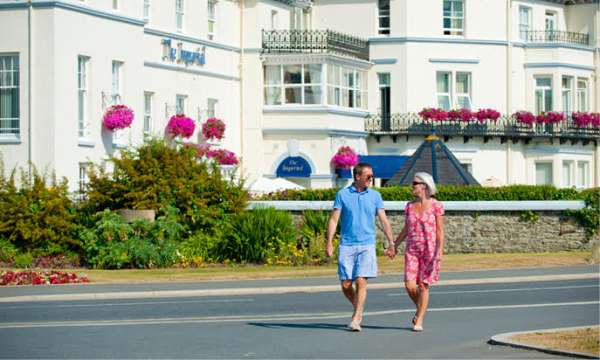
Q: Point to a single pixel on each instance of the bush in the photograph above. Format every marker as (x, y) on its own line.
(115, 244)
(263, 235)
(38, 216)
(313, 237)
(155, 176)
(589, 217)
(7, 252)
(202, 248)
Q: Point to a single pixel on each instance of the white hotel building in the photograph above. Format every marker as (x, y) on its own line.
(294, 80)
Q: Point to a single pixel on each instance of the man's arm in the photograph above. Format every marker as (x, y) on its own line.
(331, 227)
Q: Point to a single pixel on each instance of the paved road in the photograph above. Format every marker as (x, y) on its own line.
(296, 325)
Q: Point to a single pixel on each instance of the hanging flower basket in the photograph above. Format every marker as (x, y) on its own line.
(223, 156)
(181, 125)
(213, 128)
(117, 117)
(345, 158)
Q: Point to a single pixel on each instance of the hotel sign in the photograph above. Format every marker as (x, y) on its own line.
(178, 54)
(294, 166)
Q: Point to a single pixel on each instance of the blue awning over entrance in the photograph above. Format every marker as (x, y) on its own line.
(384, 166)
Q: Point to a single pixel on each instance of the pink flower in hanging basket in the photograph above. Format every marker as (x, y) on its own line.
(345, 158)
(181, 125)
(487, 114)
(213, 128)
(117, 117)
(223, 156)
(524, 117)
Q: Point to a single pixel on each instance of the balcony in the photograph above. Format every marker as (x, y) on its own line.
(314, 41)
(554, 36)
(505, 128)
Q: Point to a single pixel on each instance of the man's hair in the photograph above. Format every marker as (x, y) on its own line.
(358, 169)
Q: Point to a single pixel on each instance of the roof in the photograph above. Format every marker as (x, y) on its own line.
(433, 157)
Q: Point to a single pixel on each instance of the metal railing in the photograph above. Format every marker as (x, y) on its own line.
(314, 41)
(555, 36)
(505, 127)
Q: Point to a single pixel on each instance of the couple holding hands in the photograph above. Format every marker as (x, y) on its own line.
(357, 205)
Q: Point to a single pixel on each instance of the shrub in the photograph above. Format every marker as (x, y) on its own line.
(7, 252)
(202, 248)
(155, 176)
(115, 244)
(38, 216)
(263, 235)
(23, 260)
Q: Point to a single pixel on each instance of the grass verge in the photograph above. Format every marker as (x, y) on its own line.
(585, 340)
(450, 262)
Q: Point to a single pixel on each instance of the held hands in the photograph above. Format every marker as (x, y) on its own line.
(391, 251)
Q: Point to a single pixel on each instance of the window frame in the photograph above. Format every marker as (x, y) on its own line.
(583, 182)
(83, 123)
(147, 14)
(212, 106)
(448, 94)
(570, 171)
(586, 94)
(543, 90)
(547, 163)
(467, 94)
(180, 15)
(117, 82)
(452, 31)
(383, 13)
(147, 126)
(525, 28)
(567, 108)
(211, 16)
(180, 103)
(14, 88)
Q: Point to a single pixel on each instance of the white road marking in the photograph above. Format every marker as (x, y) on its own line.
(267, 317)
(130, 303)
(504, 290)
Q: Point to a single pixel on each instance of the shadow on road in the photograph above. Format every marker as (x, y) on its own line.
(338, 327)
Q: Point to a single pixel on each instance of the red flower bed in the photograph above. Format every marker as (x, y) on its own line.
(30, 277)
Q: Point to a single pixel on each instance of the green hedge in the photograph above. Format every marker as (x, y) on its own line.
(448, 193)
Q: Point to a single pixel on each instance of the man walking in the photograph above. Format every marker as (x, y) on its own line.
(357, 260)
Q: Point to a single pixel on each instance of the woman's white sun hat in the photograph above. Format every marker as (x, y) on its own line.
(428, 180)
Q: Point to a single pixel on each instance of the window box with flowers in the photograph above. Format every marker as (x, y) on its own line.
(546, 120)
(343, 161)
(117, 117)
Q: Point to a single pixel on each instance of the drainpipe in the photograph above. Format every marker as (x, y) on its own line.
(509, 162)
(242, 6)
(29, 85)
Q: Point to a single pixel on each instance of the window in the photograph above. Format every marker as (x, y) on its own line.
(117, 90)
(212, 18)
(443, 90)
(463, 90)
(524, 22)
(179, 13)
(453, 17)
(543, 94)
(543, 173)
(551, 26)
(346, 87)
(9, 95)
(300, 19)
(467, 166)
(582, 94)
(383, 8)
(583, 174)
(385, 100)
(180, 103)
(293, 84)
(83, 178)
(82, 96)
(567, 94)
(567, 174)
(115, 4)
(147, 11)
(274, 19)
(211, 107)
(148, 97)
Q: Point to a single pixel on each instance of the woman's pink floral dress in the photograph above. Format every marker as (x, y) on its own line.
(420, 262)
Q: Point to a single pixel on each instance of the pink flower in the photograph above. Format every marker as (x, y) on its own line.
(181, 125)
(222, 156)
(550, 117)
(524, 117)
(433, 114)
(461, 115)
(213, 128)
(117, 117)
(487, 114)
(345, 158)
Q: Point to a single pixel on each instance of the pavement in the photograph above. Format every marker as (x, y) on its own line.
(536, 281)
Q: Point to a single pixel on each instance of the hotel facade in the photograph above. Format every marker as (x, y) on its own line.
(294, 80)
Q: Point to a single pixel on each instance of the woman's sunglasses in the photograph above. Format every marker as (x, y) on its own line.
(418, 183)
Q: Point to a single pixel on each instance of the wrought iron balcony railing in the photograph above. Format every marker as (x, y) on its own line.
(314, 41)
(554, 36)
(506, 127)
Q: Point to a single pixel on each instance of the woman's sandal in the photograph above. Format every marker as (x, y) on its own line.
(418, 328)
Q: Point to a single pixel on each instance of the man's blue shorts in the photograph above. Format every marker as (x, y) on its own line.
(357, 261)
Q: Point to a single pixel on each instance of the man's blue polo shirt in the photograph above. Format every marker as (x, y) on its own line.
(358, 214)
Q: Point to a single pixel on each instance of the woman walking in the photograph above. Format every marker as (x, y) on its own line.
(424, 233)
